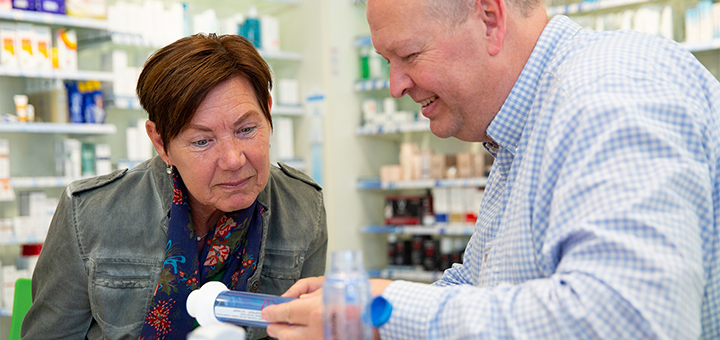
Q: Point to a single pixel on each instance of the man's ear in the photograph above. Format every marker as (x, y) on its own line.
(151, 130)
(493, 13)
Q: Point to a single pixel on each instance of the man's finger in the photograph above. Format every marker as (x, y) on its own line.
(305, 286)
(293, 312)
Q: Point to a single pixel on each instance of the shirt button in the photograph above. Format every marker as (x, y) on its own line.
(254, 287)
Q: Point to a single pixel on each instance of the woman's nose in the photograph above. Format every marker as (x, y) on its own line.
(232, 156)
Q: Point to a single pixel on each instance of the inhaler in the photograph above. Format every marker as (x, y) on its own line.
(213, 303)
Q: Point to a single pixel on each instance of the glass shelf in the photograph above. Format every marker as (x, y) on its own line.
(436, 229)
(13, 240)
(41, 182)
(287, 110)
(700, 46)
(57, 74)
(281, 55)
(53, 19)
(372, 85)
(81, 129)
(417, 126)
(376, 184)
(362, 41)
(404, 274)
(589, 6)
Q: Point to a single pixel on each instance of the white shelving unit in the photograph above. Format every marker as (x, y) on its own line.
(57, 74)
(702, 45)
(287, 110)
(372, 85)
(41, 182)
(85, 129)
(15, 240)
(416, 126)
(281, 55)
(405, 274)
(53, 19)
(587, 6)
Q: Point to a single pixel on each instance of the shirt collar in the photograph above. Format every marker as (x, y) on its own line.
(507, 126)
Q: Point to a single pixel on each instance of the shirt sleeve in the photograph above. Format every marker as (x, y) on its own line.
(622, 215)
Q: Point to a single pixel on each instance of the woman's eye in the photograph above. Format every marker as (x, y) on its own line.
(201, 142)
(247, 130)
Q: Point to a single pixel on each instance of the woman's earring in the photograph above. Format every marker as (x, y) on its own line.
(169, 169)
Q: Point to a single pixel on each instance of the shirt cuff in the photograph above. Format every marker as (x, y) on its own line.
(413, 306)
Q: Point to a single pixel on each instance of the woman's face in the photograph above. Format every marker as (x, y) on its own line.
(222, 155)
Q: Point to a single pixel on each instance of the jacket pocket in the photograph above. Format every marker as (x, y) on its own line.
(120, 294)
(281, 269)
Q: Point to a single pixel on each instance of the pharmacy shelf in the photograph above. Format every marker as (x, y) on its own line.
(362, 41)
(41, 182)
(123, 102)
(405, 274)
(281, 55)
(12, 240)
(53, 19)
(286, 2)
(287, 110)
(80, 129)
(57, 74)
(589, 6)
(133, 103)
(700, 46)
(124, 39)
(376, 184)
(436, 229)
(372, 85)
(116, 39)
(370, 129)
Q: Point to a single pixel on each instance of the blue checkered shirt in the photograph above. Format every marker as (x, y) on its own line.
(602, 210)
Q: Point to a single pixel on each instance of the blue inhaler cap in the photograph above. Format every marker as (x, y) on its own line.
(380, 310)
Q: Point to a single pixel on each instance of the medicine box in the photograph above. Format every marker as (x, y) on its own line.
(26, 40)
(66, 43)
(8, 39)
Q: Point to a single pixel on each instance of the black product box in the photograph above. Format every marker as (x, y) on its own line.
(431, 249)
(403, 209)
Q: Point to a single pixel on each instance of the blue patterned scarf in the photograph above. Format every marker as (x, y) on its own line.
(231, 251)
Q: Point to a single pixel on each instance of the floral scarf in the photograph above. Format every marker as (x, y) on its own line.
(230, 254)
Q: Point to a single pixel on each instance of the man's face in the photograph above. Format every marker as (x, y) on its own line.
(442, 66)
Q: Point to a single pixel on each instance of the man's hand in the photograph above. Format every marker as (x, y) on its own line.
(299, 319)
(305, 286)
(302, 319)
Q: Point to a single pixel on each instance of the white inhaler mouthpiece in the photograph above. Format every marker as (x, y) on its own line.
(201, 302)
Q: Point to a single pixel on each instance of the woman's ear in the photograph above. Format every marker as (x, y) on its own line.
(493, 14)
(157, 141)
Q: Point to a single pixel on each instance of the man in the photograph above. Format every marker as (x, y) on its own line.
(602, 211)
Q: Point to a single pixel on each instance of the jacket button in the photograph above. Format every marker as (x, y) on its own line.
(254, 287)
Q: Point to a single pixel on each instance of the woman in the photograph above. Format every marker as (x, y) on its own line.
(125, 250)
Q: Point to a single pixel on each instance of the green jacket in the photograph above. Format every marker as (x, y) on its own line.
(105, 249)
